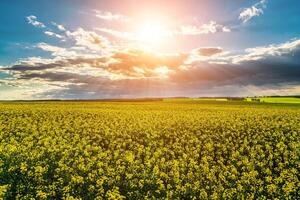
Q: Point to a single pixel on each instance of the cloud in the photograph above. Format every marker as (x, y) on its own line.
(130, 63)
(136, 72)
(88, 39)
(274, 69)
(117, 34)
(211, 27)
(33, 20)
(249, 13)
(51, 48)
(282, 52)
(209, 51)
(52, 34)
(253, 11)
(112, 71)
(59, 26)
(57, 51)
(105, 15)
(140, 63)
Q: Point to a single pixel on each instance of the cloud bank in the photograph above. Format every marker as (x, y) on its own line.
(133, 72)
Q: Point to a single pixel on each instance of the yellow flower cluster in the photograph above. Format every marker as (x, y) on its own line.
(149, 150)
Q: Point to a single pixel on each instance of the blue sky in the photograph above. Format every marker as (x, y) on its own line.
(138, 48)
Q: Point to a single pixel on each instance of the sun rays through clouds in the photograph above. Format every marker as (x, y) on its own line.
(127, 54)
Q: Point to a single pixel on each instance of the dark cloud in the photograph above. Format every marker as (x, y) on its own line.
(29, 67)
(120, 62)
(39, 66)
(87, 86)
(209, 51)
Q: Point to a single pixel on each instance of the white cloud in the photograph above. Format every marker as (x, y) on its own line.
(57, 51)
(253, 11)
(34, 60)
(33, 20)
(105, 15)
(51, 48)
(226, 29)
(88, 39)
(249, 13)
(52, 34)
(59, 26)
(115, 33)
(211, 27)
(258, 53)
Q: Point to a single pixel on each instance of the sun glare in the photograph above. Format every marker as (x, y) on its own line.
(162, 71)
(151, 32)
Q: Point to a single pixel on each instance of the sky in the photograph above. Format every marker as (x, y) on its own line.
(99, 49)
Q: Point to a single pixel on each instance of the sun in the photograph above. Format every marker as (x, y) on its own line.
(151, 32)
(162, 71)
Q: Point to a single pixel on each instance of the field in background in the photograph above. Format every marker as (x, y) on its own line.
(169, 149)
(284, 100)
(193, 99)
(275, 99)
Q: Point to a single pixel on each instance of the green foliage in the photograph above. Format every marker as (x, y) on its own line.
(149, 150)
